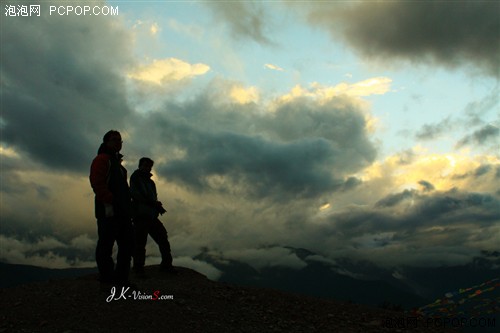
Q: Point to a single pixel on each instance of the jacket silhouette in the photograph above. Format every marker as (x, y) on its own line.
(108, 179)
(146, 208)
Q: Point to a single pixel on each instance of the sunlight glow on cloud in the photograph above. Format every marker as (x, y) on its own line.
(155, 28)
(273, 67)
(443, 172)
(165, 70)
(373, 86)
(243, 96)
(325, 207)
(8, 152)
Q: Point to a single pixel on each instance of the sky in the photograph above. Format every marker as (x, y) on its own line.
(355, 129)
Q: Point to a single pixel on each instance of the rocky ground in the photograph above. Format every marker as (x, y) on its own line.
(186, 302)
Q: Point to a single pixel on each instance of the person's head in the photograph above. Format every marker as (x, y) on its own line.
(146, 164)
(113, 141)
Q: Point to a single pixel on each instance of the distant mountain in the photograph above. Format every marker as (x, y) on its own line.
(321, 280)
(12, 275)
(434, 282)
(360, 281)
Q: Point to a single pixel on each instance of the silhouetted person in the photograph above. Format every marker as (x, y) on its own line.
(146, 209)
(108, 179)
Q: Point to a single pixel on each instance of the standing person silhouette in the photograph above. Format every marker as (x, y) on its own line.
(108, 179)
(146, 209)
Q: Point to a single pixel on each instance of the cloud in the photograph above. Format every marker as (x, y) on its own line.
(372, 86)
(83, 242)
(395, 199)
(427, 223)
(293, 151)
(427, 186)
(243, 96)
(165, 70)
(247, 20)
(7, 152)
(234, 168)
(267, 257)
(473, 116)
(433, 131)
(204, 268)
(417, 31)
(44, 252)
(154, 29)
(392, 217)
(149, 28)
(273, 67)
(444, 172)
(49, 94)
(481, 137)
(259, 167)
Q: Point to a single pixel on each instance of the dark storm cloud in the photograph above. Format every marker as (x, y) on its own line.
(427, 186)
(246, 19)
(482, 170)
(61, 90)
(481, 136)
(448, 33)
(456, 207)
(395, 199)
(452, 209)
(339, 121)
(478, 172)
(297, 168)
(471, 117)
(351, 183)
(303, 149)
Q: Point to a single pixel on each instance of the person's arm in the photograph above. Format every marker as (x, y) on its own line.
(159, 204)
(99, 171)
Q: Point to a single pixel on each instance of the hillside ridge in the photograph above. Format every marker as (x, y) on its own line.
(185, 302)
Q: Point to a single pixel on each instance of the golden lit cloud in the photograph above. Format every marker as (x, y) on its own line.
(373, 86)
(274, 67)
(443, 171)
(325, 207)
(8, 152)
(243, 95)
(154, 29)
(166, 70)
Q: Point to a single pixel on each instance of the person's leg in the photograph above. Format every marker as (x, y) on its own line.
(159, 234)
(125, 242)
(104, 249)
(141, 238)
